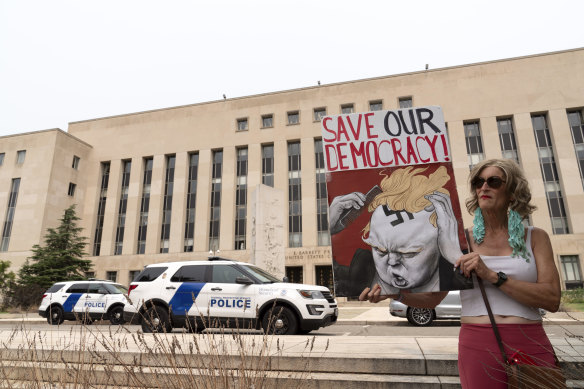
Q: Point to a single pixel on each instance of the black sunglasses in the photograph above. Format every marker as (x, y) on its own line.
(494, 182)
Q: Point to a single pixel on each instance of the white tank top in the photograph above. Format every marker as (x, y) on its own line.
(516, 268)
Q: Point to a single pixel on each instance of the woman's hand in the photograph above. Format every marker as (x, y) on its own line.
(373, 295)
(472, 262)
(448, 241)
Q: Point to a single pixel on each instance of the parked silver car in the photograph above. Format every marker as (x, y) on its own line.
(449, 308)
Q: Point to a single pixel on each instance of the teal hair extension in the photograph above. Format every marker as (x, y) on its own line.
(478, 229)
(517, 235)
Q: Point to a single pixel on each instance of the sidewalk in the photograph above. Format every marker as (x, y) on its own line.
(350, 312)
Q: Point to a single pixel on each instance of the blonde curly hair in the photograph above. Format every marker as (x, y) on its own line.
(404, 189)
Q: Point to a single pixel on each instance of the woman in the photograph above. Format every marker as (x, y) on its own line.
(518, 271)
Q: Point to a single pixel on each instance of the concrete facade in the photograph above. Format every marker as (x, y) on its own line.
(550, 84)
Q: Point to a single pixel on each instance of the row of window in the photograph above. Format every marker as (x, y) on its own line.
(240, 230)
(543, 140)
(293, 117)
(21, 155)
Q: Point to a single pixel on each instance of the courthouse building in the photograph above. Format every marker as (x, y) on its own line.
(176, 183)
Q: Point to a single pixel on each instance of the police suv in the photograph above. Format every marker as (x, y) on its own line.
(221, 292)
(84, 300)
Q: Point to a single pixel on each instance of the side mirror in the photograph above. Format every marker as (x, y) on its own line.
(285, 279)
(243, 281)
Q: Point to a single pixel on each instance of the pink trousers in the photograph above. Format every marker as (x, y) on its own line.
(480, 363)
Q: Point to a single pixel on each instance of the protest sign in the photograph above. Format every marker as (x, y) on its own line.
(394, 213)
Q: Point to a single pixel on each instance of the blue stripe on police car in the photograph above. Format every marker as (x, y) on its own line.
(71, 301)
(185, 296)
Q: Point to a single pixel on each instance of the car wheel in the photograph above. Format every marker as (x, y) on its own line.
(116, 315)
(280, 320)
(420, 316)
(55, 315)
(156, 320)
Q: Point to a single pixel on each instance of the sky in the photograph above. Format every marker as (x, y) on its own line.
(66, 61)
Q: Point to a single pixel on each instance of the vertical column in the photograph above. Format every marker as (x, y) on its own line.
(227, 227)
(177, 224)
(133, 208)
(530, 163)
(110, 220)
(490, 133)
(281, 179)
(309, 233)
(254, 179)
(203, 201)
(155, 211)
(568, 168)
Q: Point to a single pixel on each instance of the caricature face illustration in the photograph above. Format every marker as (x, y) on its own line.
(405, 247)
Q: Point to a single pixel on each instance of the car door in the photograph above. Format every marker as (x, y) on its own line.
(226, 297)
(75, 299)
(186, 285)
(96, 299)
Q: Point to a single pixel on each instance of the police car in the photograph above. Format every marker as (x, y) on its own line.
(84, 300)
(221, 292)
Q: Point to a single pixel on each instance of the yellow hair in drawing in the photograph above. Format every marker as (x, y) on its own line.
(405, 189)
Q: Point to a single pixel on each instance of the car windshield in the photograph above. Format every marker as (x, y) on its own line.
(263, 276)
(116, 288)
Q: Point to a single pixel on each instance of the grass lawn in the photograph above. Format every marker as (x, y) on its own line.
(574, 307)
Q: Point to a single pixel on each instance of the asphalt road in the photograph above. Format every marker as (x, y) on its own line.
(449, 328)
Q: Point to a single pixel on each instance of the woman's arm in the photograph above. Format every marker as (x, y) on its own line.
(417, 300)
(544, 293)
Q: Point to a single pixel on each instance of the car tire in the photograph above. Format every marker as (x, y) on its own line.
(280, 320)
(420, 316)
(156, 319)
(55, 315)
(116, 315)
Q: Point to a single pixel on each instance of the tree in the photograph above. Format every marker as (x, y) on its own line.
(60, 259)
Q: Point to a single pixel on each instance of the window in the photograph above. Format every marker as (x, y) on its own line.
(144, 206)
(126, 167)
(571, 271)
(133, 274)
(215, 214)
(241, 199)
(405, 102)
(89, 274)
(111, 276)
(507, 139)
(2, 159)
(20, 155)
(324, 276)
(191, 273)
(267, 121)
(293, 117)
(321, 196)
(191, 202)
(319, 113)
(347, 108)
(268, 165)
(294, 196)
(7, 229)
(294, 274)
(550, 175)
(474, 143)
(376, 105)
(105, 170)
(577, 127)
(75, 164)
(225, 274)
(167, 204)
(71, 191)
(242, 124)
